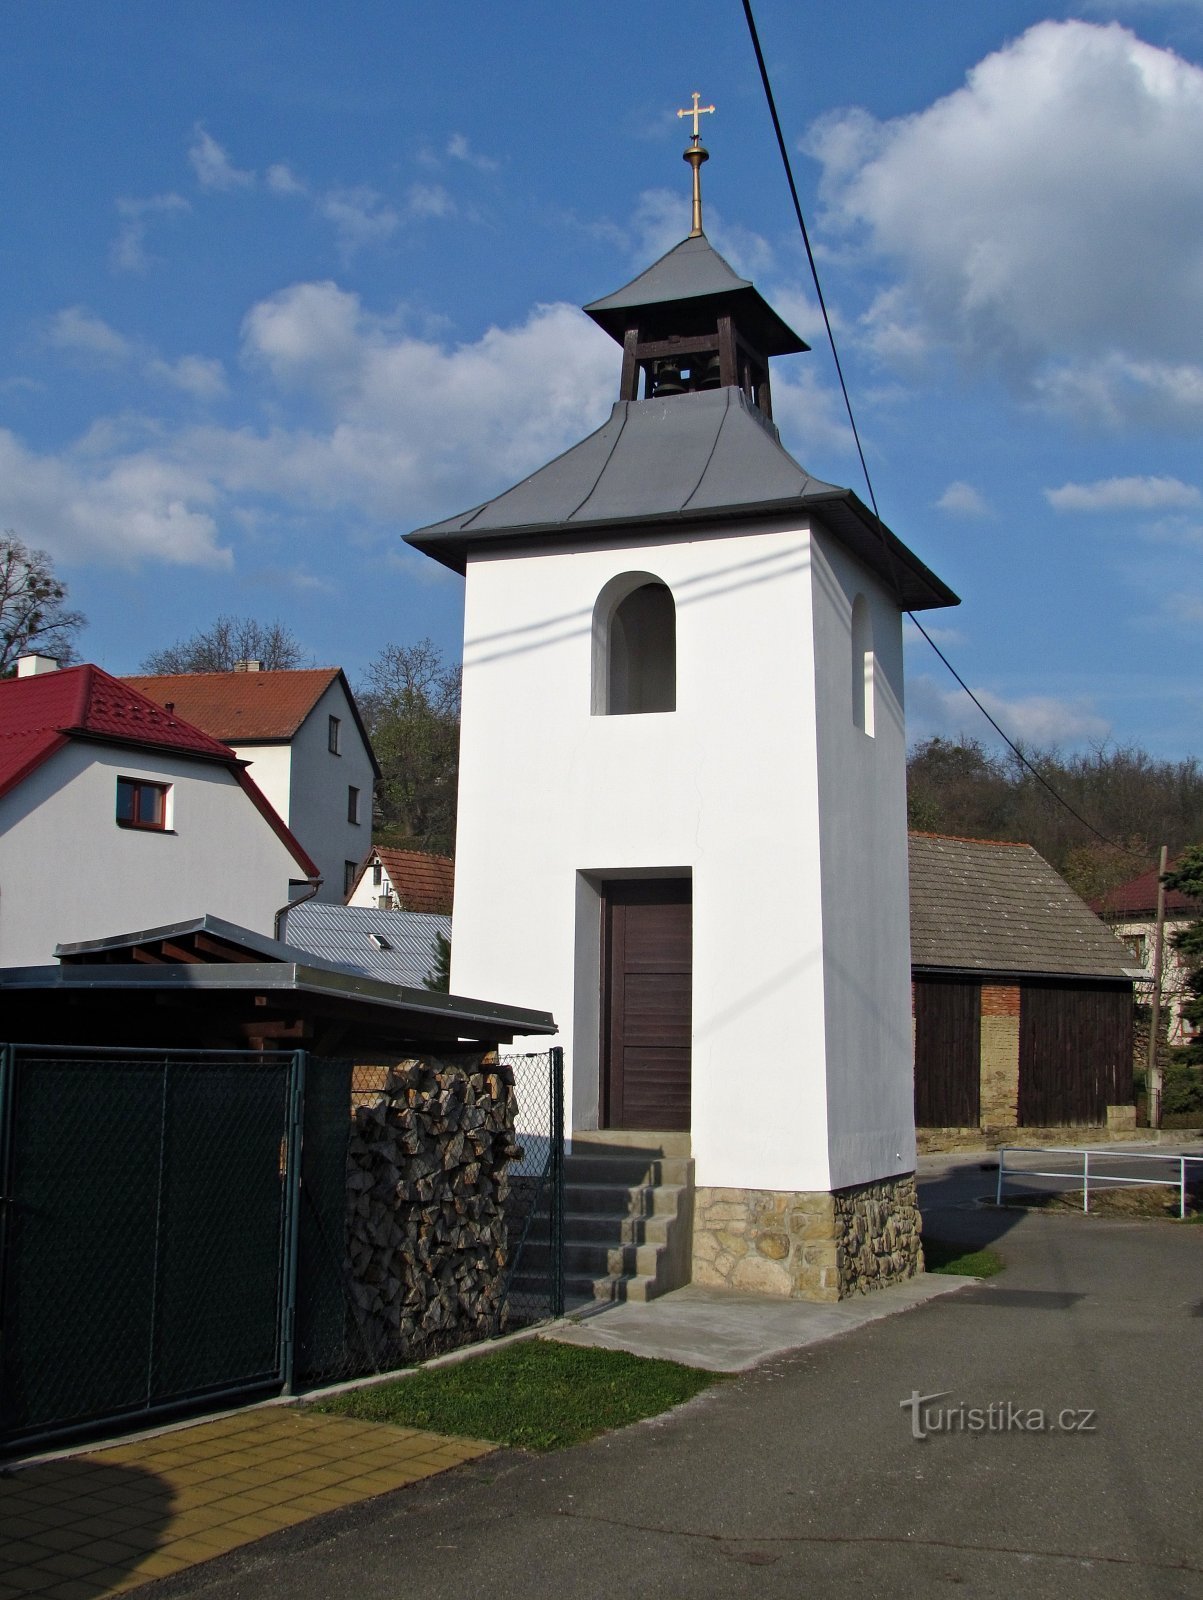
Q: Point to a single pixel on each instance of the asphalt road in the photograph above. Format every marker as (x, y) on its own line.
(804, 1478)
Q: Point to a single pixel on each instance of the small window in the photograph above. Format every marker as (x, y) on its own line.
(377, 874)
(350, 868)
(141, 804)
(333, 726)
(864, 667)
(634, 647)
(352, 803)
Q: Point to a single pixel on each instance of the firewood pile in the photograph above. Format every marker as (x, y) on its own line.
(427, 1193)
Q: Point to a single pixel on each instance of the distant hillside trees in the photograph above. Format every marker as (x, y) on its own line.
(227, 641)
(410, 701)
(34, 615)
(1136, 801)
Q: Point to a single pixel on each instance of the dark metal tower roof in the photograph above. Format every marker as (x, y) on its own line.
(694, 283)
(690, 460)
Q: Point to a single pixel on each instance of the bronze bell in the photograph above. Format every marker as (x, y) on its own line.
(668, 378)
(709, 376)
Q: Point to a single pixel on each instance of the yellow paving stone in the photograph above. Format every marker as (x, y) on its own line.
(17, 1527)
(157, 1566)
(69, 1564)
(112, 1552)
(253, 1527)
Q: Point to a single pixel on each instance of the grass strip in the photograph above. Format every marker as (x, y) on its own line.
(955, 1260)
(534, 1395)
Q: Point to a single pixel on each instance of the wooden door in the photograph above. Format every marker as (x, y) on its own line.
(1075, 1053)
(647, 1017)
(947, 1053)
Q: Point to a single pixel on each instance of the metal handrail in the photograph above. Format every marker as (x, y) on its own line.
(1103, 1180)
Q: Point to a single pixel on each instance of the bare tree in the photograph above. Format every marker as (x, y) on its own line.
(33, 606)
(230, 640)
(410, 702)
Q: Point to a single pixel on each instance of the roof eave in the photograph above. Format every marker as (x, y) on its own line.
(453, 547)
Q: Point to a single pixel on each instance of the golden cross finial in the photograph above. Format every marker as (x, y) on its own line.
(695, 155)
(696, 112)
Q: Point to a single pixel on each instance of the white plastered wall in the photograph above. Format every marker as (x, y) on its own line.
(862, 816)
(554, 799)
(58, 828)
(320, 780)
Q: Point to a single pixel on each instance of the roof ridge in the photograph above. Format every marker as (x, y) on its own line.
(964, 838)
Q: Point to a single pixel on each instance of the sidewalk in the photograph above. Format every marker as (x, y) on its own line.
(111, 1519)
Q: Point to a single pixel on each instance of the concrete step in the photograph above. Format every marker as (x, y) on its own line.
(654, 1142)
(597, 1258)
(635, 1168)
(606, 1227)
(618, 1200)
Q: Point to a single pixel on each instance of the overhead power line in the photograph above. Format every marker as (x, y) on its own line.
(1015, 749)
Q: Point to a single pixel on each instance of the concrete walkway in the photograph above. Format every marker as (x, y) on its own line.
(727, 1332)
(108, 1520)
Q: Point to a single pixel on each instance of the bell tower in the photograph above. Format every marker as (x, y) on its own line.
(690, 323)
(682, 809)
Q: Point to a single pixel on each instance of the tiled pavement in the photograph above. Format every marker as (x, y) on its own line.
(108, 1520)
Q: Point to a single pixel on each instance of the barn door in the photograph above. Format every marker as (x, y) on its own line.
(947, 1054)
(647, 982)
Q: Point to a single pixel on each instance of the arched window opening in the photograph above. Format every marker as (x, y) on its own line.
(863, 666)
(635, 647)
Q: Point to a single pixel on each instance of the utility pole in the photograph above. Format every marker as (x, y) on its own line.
(1153, 1069)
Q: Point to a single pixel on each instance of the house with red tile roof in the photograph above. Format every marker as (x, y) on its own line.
(404, 880)
(1130, 910)
(307, 746)
(116, 813)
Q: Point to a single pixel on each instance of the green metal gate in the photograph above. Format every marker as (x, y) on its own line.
(148, 1206)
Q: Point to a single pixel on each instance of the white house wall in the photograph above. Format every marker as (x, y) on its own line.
(58, 827)
(862, 831)
(554, 799)
(271, 767)
(320, 780)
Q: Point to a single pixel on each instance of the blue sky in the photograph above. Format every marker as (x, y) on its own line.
(280, 283)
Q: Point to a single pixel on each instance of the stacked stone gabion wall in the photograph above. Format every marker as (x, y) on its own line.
(813, 1245)
(427, 1191)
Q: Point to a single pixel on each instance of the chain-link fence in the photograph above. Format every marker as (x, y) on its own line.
(145, 1231)
(180, 1229)
(430, 1208)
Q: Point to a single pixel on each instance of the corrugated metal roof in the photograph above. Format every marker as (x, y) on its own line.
(692, 458)
(982, 906)
(395, 946)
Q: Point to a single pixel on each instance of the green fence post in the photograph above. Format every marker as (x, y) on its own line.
(292, 1218)
(557, 1181)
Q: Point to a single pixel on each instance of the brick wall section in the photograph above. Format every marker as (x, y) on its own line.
(811, 1245)
(1000, 1000)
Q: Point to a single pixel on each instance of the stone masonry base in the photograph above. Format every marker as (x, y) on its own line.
(811, 1245)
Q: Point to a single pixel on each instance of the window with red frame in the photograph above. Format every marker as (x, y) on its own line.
(141, 804)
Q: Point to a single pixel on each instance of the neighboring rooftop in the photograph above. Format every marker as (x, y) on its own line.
(245, 707)
(395, 946)
(982, 906)
(41, 713)
(38, 714)
(694, 458)
(421, 882)
(1138, 898)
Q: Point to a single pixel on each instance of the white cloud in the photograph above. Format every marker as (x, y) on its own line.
(1124, 494)
(128, 253)
(199, 376)
(429, 200)
(1046, 218)
(76, 329)
(1032, 720)
(360, 218)
(213, 167)
(137, 507)
(459, 149)
(281, 179)
(963, 500)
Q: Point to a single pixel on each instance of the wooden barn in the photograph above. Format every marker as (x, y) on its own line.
(1022, 998)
